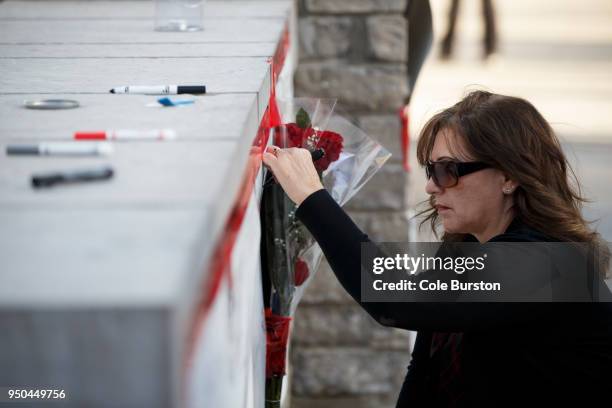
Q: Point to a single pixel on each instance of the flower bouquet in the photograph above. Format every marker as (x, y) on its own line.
(345, 159)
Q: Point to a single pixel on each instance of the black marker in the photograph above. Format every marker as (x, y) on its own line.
(317, 154)
(50, 179)
(160, 89)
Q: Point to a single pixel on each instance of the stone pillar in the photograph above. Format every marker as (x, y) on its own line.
(356, 51)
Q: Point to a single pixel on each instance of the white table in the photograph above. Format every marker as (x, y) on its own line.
(100, 282)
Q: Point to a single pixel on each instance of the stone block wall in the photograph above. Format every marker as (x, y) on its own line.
(355, 51)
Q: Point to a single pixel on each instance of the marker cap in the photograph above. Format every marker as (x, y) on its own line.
(191, 89)
(22, 149)
(101, 135)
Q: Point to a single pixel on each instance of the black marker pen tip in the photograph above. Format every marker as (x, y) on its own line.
(112, 91)
(317, 154)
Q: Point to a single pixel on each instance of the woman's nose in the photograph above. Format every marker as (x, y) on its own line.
(431, 187)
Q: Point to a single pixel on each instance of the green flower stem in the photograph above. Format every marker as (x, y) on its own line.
(274, 385)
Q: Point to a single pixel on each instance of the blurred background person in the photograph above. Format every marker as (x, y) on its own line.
(490, 30)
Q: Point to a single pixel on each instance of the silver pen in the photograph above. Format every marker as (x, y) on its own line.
(60, 149)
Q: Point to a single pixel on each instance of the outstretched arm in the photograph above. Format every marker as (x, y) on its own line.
(341, 240)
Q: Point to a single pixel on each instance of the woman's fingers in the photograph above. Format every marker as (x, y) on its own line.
(284, 159)
(294, 170)
(275, 150)
(269, 159)
(270, 156)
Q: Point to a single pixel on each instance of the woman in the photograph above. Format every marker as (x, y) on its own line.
(496, 173)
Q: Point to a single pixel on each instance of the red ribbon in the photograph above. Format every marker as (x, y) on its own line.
(280, 55)
(276, 64)
(221, 256)
(405, 136)
(277, 335)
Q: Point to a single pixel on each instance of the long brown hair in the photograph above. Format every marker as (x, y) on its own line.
(511, 135)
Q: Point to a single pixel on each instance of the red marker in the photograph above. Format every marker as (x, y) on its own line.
(137, 135)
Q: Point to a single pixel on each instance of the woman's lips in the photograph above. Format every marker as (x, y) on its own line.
(442, 208)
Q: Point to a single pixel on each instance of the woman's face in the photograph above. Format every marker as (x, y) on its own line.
(477, 203)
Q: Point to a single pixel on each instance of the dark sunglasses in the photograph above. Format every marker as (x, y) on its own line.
(446, 173)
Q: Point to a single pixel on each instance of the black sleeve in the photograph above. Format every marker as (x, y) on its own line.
(414, 392)
(340, 239)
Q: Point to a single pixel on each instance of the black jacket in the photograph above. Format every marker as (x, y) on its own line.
(523, 353)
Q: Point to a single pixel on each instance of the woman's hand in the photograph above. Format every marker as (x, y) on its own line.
(294, 170)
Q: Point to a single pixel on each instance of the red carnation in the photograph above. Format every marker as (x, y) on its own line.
(331, 143)
(300, 272)
(296, 136)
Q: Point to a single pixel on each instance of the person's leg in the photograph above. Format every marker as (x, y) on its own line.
(447, 42)
(490, 37)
